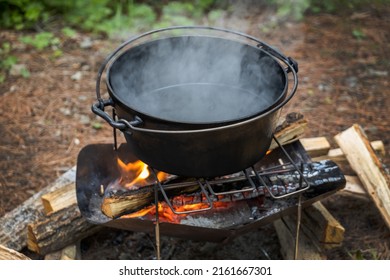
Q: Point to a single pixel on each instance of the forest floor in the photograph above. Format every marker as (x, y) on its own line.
(344, 63)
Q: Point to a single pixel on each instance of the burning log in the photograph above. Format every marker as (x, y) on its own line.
(362, 158)
(9, 254)
(319, 175)
(120, 201)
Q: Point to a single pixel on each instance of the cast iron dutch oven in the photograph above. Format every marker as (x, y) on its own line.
(196, 105)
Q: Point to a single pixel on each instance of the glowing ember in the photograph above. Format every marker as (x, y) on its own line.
(166, 215)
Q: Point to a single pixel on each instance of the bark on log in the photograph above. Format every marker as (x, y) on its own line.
(9, 254)
(14, 223)
(58, 230)
(362, 158)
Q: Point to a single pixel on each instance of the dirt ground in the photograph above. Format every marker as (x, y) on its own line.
(344, 63)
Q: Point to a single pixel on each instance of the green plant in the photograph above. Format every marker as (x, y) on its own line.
(103, 15)
(41, 40)
(69, 32)
(358, 34)
(367, 254)
(6, 60)
(19, 14)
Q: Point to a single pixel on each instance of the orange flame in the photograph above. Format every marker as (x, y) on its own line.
(166, 214)
(137, 174)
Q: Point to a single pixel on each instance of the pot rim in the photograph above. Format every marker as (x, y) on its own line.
(138, 111)
(273, 53)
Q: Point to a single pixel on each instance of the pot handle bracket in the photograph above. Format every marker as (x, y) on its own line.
(292, 67)
(121, 124)
(290, 62)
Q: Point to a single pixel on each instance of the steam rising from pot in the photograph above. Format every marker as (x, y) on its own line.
(197, 79)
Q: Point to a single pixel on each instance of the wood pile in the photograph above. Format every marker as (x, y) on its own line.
(50, 223)
(319, 230)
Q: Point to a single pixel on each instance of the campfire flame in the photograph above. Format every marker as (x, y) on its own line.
(137, 174)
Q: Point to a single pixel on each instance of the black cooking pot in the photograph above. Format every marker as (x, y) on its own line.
(196, 105)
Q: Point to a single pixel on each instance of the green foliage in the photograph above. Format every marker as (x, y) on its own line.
(358, 34)
(296, 9)
(69, 32)
(104, 15)
(177, 13)
(6, 60)
(25, 73)
(368, 254)
(128, 17)
(41, 40)
(333, 6)
(19, 14)
(291, 8)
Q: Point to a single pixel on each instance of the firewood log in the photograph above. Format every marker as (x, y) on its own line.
(58, 230)
(9, 254)
(14, 223)
(59, 199)
(363, 159)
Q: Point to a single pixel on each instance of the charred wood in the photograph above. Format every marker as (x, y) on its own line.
(323, 177)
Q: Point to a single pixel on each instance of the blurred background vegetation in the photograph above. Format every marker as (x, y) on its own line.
(45, 23)
(107, 16)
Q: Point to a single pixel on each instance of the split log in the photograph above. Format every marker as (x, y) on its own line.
(289, 129)
(9, 254)
(354, 187)
(318, 230)
(14, 223)
(325, 229)
(58, 230)
(59, 199)
(362, 158)
(286, 231)
(338, 156)
(316, 146)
